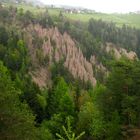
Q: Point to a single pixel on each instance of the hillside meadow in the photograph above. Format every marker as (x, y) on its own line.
(130, 19)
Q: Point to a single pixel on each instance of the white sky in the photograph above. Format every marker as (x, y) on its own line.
(109, 6)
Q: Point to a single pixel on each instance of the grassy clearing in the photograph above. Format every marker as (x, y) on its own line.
(132, 20)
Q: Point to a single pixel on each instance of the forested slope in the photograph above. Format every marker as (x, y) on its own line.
(62, 79)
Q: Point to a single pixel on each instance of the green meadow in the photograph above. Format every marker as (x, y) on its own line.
(130, 19)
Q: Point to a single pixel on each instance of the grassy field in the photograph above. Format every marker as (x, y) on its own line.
(132, 20)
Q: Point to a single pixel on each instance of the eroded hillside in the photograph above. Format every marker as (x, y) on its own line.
(57, 47)
(49, 46)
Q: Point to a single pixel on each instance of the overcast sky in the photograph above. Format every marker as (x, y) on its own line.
(109, 6)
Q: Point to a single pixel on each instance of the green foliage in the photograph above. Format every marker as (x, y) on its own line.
(16, 118)
(126, 37)
(27, 18)
(60, 105)
(45, 133)
(43, 98)
(13, 59)
(97, 127)
(60, 99)
(21, 47)
(68, 132)
(58, 69)
(85, 120)
(40, 56)
(32, 95)
(3, 35)
(123, 83)
(98, 112)
(4, 15)
(55, 123)
(61, 88)
(113, 127)
(66, 105)
(102, 99)
(2, 51)
(42, 101)
(92, 123)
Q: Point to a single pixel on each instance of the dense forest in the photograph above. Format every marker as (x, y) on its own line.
(67, 80)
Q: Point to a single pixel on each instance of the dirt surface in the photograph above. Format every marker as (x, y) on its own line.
(136, 134)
